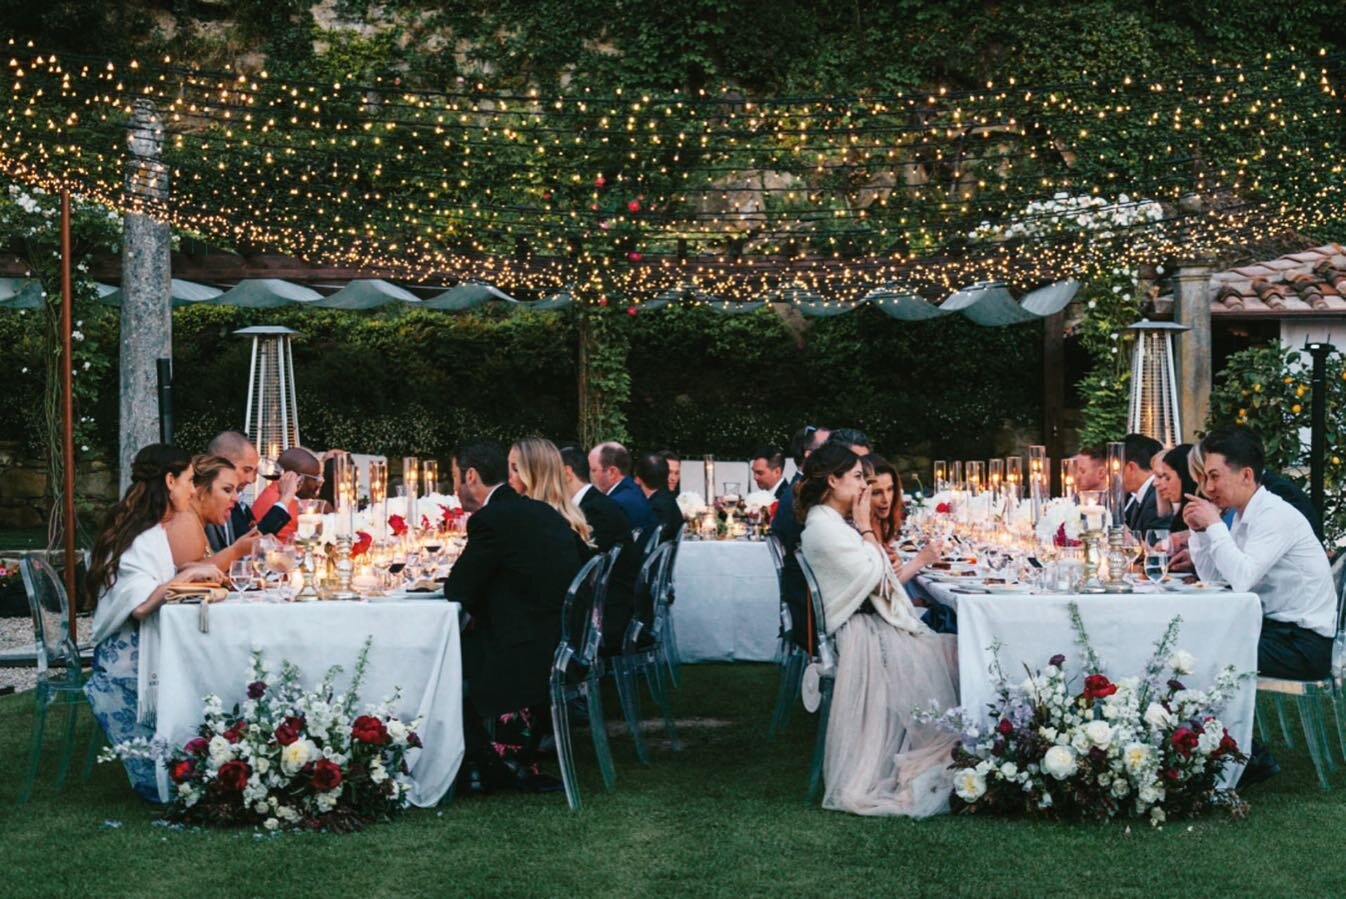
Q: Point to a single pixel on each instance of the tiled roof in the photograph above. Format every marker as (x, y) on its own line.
(1308, 283)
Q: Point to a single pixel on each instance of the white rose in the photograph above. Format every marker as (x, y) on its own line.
(1182, 662)
(262, 764)
(221, 750)
(1120, 788)
(271, 824)
(397, 732)
(1157, 716)
(1099, 733)
(1009, 770)
(1059, 762)
(1135, 756)
(969, 785)
(1080, 740)
(1047, 733)
(297, 755)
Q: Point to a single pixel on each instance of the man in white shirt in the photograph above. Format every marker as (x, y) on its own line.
(1269, 549)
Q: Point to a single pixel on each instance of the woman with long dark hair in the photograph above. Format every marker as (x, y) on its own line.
(130, 570)
(1173, 483)
(878, 759)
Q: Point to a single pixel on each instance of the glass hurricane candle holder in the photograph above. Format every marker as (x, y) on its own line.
(1116, 491)
(411, 483)
(941, 475)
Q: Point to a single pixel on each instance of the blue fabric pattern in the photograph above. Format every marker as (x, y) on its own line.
(112, 694)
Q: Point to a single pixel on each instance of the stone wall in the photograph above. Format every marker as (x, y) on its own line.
(23, 488)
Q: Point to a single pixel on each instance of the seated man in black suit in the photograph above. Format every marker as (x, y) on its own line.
(768, 471)
(610, 528)
(511, 579)
(610, 471)
(239, 450)
(788, 529)
(652, 479)
(674, 471)
(1142, 510)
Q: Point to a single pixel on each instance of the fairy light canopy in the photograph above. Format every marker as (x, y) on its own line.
(726, 199)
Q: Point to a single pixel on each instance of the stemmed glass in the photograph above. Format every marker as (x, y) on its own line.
(1156, 554)
(241, 574)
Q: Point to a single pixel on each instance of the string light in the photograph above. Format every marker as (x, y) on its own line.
(714, 197)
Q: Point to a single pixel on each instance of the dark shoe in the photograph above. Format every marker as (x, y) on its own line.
(539, 783)
(470, 783)
(1262, 765)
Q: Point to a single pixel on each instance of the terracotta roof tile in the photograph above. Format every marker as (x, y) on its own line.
(1310, 282)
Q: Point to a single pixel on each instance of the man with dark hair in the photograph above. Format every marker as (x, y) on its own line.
(610, 528)
(854, 438)
(1141, 511)
(1090, 468)
(238, 449)
(674, 471)
(610, 471)
(651, 478)
(768, 471)
(511, 579)
(786, 529)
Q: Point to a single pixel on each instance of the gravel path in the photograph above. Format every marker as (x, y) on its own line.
(18, 633)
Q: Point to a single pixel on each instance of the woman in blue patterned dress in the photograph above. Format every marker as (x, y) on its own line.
(132, 567)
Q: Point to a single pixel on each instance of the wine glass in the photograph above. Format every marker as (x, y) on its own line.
(268, 468)
(1156, 554)
(240, 574)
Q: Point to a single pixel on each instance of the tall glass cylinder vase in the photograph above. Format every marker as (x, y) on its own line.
(1116, 491)
(430, 476)
(709, 463)
(378, 498)
(995, 476)
(1014, 477)
(1067, 479)
(975, 485)
(941, 475)
(411, 481)
(1037, 479)
(956, 482)
(343, 494)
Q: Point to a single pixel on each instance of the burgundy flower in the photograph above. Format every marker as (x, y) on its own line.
(368, 729)
(1005, 727)
(1184, 739)
(414, 739)
(182, 770)
(1227, 745)
(1096, 686)
(290, 730)
(1058, 660)
(1171, 774)
(234, 775)
(236, 731)
(197, 746)
(326, 776)
(256, 689)
(1175, 685)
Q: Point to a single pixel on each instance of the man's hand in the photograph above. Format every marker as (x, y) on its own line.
(1200, 513)
(288, 485)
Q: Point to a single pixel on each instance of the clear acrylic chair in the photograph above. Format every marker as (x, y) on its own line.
(60, 679)
(825, 657)
(672, 660)
(575, 672)
(789, 656)
(1310, 694)
(642, 650)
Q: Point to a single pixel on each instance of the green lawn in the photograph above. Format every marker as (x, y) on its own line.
(725, 816)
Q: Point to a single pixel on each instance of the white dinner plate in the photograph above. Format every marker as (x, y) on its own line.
(1005, 588)
(1198, 587)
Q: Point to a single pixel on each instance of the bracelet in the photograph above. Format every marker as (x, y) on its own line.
(866, 531)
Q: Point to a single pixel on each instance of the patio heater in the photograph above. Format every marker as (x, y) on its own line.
(271, 418)
(1154, 386)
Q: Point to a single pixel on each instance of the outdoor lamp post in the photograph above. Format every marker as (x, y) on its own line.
(1154, 387)
(1320, 350)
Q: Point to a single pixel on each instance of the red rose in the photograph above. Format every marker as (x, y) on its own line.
(1096, 686)
(1227, 745)
(1184, 739)
(368, 729)
(944, 508)
(326, 776)
(234, 775)
(361, 545)
(182, 770)
(289, 730)
(398, 524)
(236, 731)
(1172, 774)
(1005, 727)
(197, 746)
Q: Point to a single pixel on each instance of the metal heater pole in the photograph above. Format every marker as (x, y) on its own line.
(1318, 432)
(68, 412)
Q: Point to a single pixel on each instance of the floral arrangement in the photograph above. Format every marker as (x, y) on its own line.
(289, 758)
(691, 505)
(1066, 214)
(1144, 747)
(758, 500)
(1059, 523)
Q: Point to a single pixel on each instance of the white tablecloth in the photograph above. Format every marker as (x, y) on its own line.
(1218, 630)
(727, 605)
(415, 647)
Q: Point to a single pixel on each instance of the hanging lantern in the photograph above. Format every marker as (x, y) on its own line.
(1154, 386)
(271, 418)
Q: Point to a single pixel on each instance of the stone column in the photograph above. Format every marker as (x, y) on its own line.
(1191, 307)
(146, 318)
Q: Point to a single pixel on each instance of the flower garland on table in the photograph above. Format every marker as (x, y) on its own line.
(287, 758)
(1143, 747)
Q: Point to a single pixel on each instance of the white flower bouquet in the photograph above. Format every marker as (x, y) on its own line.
(1059, 523)
(758, 500)
(691, 505)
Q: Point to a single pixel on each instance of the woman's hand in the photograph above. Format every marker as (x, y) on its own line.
(930, 553)
(199, 571)
(246, 545)
(860, 511)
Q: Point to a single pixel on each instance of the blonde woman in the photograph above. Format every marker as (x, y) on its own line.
(212, 501)
(535, 471)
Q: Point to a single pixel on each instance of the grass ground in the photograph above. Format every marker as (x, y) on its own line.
(724, 816)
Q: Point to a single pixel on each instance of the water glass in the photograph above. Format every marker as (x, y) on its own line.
(1156, 554)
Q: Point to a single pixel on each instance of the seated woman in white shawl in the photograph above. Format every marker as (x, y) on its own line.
(877, 761)
(131, 569)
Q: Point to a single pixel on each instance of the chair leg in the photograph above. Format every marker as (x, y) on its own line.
(96, 742)
(67, 745)
(1320, 729)
(1306, 720)
(786, 694)
(819, 744)
(1279, 701)
(35, 755)
(565, 753)
(1338, 708)
(598, 730)
(1260, 722)
(655, 681)
(629, 698)
(671, 657)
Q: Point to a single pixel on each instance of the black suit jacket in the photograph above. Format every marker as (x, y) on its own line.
(511, 578)
(667, 512)
(783, 488)
(612, 528)
(633, 502)
(792, 589)
(240, 519)
(1143, 515)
